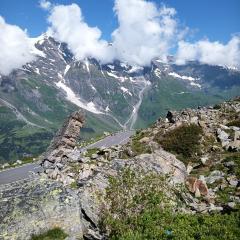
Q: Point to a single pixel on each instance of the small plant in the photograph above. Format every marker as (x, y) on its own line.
(74, 185)
(53, 234)
(91, 151)
(140, 148)
(183, 140)
(137, 146)
(139, 208)
(235, 123)
(235, 157)
(217, 107)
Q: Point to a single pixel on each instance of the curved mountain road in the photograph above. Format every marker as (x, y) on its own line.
(28, 170)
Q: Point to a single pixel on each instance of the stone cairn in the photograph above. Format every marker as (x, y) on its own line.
(62, 146)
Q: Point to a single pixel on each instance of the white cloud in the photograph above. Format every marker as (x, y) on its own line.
(44, 4)
(145, 31)
(68, 25)
(14, 47)
(214, 53)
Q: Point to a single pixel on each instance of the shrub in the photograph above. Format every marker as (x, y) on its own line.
(235, 123)
(91, 151)
(74, 185)
(235, 157)
(137, 146)
(139, 208)
(217, 106)
(131, 195)
(53, 234)
(183, 140)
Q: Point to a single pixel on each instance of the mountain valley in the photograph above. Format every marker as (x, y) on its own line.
(35, 99)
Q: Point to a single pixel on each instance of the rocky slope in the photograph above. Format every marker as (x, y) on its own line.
(35, 100)
(196, 153)
(203, 154)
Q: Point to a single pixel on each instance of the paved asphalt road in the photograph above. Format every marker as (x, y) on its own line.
(116, 139)
(19, 173)
(25, 171)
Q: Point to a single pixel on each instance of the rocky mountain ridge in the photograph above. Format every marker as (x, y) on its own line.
(38, 97)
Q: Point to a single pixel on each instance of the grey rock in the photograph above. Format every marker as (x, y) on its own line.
(19, 162)
(204, 159)
(53, 174)
(48, 165)
(233, 181)
(60, 166)
(37, 205)
(74, 156)
(214, 176)
(229, 164)
(94, 156)
(223, 137)
(214, 208)
(232, 205)
(189, 168)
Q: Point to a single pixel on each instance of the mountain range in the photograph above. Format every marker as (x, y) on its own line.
(35, 99)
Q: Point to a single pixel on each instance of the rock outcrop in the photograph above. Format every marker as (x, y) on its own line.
(35, 205)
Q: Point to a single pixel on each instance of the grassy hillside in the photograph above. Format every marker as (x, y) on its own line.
(169, 94)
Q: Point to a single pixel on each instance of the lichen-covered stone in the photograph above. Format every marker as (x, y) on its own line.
(35, 205)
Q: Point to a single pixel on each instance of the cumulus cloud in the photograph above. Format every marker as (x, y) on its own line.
(14, 47)
(68, 25)
(44, 4)
(214, 53)
(145, 31)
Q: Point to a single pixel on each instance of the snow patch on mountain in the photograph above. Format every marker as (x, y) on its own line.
(119, 78)
(111, 67)
(112, 75)
(232, 68)
(173, 74)
(37, 52)
(72, 97)
(87, 65)
(157, 72)
(107, 109)
(123, 65)
(66, 69)
(135, 69)
(93, 88)
(37, 71)
(125, 90)
(191, 79)
(195, 84)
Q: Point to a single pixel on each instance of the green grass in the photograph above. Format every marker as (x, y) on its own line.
(235, 157)
(183, 140)
(138, 147)
(74, 185)
(139, 208)
(91, 151)
(53, 234)
(235, 123)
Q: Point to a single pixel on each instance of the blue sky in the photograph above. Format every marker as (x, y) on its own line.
(207, 31)
(214, 19)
